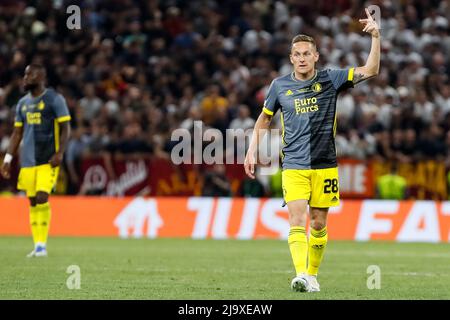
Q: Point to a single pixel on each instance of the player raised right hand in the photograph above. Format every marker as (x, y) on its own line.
(370, 25)
(5, 170)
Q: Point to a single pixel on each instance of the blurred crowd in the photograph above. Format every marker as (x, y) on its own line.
(137, 70)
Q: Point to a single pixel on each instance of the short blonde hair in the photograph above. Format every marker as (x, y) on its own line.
(304, 38)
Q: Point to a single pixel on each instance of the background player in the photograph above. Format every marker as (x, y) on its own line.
(43, 120)
(307, 99)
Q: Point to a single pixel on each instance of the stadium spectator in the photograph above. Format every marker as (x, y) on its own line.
(212, 104)
(216, 183)
(391, 186)
(165, 64)
(252, 188)
(243, 120)
(75, 148)
(276, 186)
(90, 104)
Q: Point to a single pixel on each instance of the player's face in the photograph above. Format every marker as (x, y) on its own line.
(31, 78)
(304, 57)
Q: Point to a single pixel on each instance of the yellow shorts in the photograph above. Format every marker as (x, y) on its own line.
(319, 186)
(39, 178)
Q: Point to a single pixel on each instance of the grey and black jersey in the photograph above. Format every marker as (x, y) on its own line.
(308, 116)
(40, 118)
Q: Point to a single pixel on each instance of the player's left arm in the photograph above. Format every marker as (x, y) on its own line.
(64, 139)
(63, 119)
(372, 66)
(57, 158)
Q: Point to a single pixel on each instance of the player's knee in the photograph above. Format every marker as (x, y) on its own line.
(297, 219)
(41, 197)
(318, 224)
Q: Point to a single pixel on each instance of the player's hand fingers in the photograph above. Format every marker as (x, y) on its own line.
(370, 28)
(249, 170)
(52, 162)
(5, 171)
(373, 26)
(368, 14)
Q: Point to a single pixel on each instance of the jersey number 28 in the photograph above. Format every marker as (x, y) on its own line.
(330, 184)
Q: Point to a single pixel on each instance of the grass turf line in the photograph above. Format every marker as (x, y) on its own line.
(114, 268)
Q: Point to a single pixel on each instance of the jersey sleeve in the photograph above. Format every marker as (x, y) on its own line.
(271, 104)
(342, 78)
(18, 119)
(60, 109)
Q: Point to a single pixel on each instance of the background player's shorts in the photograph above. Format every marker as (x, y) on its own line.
(319, 186)
(39, 178)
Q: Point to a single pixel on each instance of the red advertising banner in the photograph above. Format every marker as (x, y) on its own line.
(154, 177)
(160, 177)
(355, 179)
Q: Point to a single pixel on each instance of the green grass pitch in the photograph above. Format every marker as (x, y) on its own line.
(217, 269)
